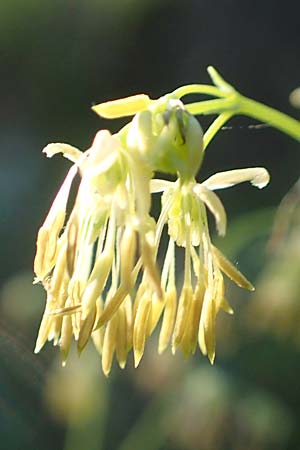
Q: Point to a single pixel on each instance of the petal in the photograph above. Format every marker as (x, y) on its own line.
(51, 228)
(168, 319)
(214, 204)
(43, 332)
(121, 341)
(123, 107)
(157, 308)
(109, 344)
(140, 328)
(258, 177)
(189, 341)
(230, 270)
(68, 151)
(157, 185)
(225, 306)
(66, 338)
(112, 305)
(206, 334)
(182, 315)
(127, 255)
(61, 199)
(102, 154)
(86, 328)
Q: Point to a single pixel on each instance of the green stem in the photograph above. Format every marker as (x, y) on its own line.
(198, 89)
(235, 104)
(232, 102)
(215, 127)
(270, 116)
(219, 81)
(216, 106)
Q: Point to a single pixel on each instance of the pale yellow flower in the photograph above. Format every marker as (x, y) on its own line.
(202, 294)
(95, 252)
(99, 265)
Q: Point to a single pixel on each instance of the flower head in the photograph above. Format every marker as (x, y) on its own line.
(202, 295)
(99, 263)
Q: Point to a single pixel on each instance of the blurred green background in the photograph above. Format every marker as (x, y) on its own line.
(57, 58)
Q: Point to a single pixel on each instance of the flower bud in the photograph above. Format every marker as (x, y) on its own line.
(170, 140)
(179, 145)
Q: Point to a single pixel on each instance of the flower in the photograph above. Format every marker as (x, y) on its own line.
(99, 263)
(202, 295)
(96, 251)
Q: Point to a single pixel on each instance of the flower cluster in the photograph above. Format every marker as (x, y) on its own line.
(99, 264)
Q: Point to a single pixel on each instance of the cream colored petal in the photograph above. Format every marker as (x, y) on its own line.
(76, 319)
(112, 305)
(156, 312)
(215, 205)
(230, 270)
(65, 311)
(191, 333)
(141, 174)
(68, 151)
(184, 305)
(55, 330)
(148, 256)
(42, 265)
(140, 137)
(61, 198)
(219, 293)
(101, 156)
(95, 169)
(60, 278)
(98, 338)
(52, 226)
(75, 289)
(86, 328)
(72, 231)
(128, 255)
(103, 145)
(121, 340)
(206, 336)
(140, 328)
(129, 322)
(96, 283)
(157, 185)
(66, 338)
(100, 271)
(44, 330)
(109, 344)
(168, 319)
(258, 177)
(225, 306)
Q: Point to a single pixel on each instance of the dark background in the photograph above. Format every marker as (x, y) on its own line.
(57, 58)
